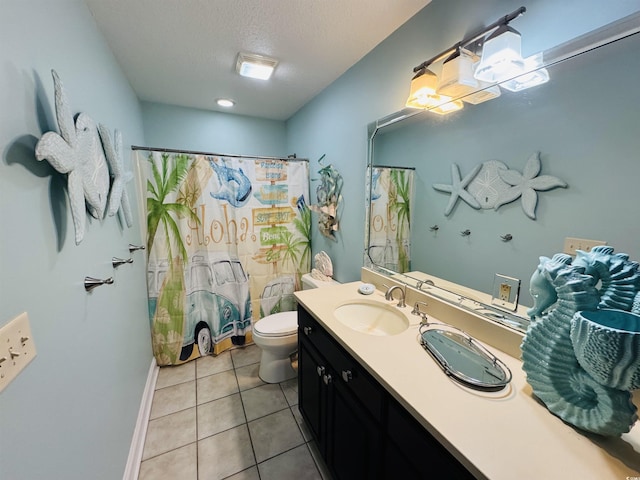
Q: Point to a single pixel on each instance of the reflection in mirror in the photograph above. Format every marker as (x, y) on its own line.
(582, 126)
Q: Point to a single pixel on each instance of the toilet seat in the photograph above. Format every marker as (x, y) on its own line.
(277, 325)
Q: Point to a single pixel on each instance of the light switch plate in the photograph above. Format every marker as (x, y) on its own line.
(572, 244)
(17, 348)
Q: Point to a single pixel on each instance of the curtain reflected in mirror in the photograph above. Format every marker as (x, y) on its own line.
(391, 191)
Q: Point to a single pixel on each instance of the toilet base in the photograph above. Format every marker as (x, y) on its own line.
(274, 369)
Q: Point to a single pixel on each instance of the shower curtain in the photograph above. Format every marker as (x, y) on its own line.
(389, 196)
(228, 240)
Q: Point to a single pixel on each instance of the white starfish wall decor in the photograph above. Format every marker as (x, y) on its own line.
(492, 184)
(527, 185)
(118, 197)
(458, 188)
(77, 151)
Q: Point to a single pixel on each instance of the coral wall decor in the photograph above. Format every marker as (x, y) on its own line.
(329, 195)
(118, 197)
(77, 152)
(492, 184)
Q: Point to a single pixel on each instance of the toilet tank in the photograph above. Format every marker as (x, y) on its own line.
(308, 282)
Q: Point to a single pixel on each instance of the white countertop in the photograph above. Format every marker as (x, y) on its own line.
(496, 435)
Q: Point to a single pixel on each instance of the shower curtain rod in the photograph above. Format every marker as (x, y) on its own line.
(392, 166)
(193, 152)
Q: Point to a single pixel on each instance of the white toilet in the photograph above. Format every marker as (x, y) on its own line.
(277, 337)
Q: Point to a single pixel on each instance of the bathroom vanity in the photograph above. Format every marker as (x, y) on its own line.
(361, 431)
(380, 407)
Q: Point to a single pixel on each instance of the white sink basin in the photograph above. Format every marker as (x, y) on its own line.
(372, 318)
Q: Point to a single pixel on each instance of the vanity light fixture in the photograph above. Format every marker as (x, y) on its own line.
(255, 66)
(487, 92)
(532, 75)
(225, 102)
(501, 56)
(423, 94)
(472, 81)
(457, 79)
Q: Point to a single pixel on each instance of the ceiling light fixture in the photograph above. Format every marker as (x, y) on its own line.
(225, 102)
(255, 66)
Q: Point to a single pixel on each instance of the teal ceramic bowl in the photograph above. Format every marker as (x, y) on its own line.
(607, 345)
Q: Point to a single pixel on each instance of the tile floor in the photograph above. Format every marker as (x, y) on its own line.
(213, 418)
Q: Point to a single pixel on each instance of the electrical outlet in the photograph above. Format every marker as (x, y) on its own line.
(505, 292)
(572, 244)
(17, 348)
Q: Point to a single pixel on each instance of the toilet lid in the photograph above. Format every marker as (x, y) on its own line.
(278, 324)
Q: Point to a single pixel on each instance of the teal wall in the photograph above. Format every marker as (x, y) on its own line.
(335, 121)
(168, 126)
(71, 413)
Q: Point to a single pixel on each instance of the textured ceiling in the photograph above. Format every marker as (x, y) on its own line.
(183, 52)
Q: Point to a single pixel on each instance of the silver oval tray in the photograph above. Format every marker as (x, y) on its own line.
(463, 358)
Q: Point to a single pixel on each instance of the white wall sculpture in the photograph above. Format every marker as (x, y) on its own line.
(118, 197)
(492, 184)
(77, 152)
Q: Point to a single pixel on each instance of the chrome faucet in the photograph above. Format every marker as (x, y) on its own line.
(389, 295)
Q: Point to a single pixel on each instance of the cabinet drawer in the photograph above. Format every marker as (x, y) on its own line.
(349, 372)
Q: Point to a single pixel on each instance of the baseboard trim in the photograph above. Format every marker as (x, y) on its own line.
(140, 433)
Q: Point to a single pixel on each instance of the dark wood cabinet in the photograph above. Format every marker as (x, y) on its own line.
(333, 399)
(361, 431)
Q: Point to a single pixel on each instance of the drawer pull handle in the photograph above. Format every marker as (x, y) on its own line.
(347, 375)
(307, 331)
(320, 370)
(327, 379)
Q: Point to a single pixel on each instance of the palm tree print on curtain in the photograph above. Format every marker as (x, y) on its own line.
(389, 217)
(228, 242)
(168, 315)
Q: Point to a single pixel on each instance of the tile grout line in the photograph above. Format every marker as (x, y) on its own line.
(246, 419)
(195, 368)
(246, 422)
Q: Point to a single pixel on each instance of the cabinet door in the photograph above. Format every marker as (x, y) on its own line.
(412, 452)
(311, 393)
(355, 443)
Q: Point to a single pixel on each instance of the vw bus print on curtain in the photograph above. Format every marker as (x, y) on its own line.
(228, 240)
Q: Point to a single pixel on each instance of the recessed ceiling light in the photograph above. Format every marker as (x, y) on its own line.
(225, 102)
(255, 66)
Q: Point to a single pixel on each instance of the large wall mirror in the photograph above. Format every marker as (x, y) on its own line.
(584, 127)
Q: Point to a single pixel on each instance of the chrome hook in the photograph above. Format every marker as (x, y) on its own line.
(116, 262)
(133, 248)
(435, 228)
(506, 238)
(90, 283)
(466, 233)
